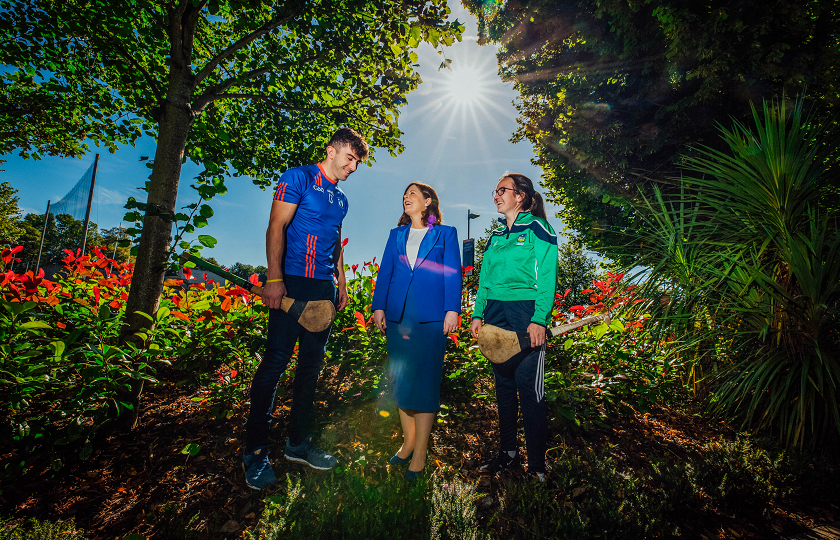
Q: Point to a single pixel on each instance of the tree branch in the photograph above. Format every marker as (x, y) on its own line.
(225, 85)
(279, 104)
(182, 21)
(242, 43)
(113, 41)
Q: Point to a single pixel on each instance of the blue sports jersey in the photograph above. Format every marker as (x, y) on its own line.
(313, 233)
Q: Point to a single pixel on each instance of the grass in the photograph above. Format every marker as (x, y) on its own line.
(588, 495)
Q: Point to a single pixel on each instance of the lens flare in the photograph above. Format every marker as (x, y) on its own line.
(384, 414)
(465, 85)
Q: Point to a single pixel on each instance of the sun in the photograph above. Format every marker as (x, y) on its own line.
(462, 100)
(465, 85)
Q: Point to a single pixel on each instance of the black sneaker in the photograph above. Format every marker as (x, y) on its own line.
(501, 462)
(307, 452)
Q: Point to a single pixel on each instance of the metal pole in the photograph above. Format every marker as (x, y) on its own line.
(43, 234)
(469, 213)
(116, 242)
(90, 200)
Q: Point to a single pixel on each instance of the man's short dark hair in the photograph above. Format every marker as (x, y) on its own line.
(352, 138)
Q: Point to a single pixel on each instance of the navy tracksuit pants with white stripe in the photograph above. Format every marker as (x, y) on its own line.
(520, 382)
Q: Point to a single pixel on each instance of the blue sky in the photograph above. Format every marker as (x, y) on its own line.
(456, 128)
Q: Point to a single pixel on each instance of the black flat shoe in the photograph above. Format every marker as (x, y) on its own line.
(412, 476)
(397, 460)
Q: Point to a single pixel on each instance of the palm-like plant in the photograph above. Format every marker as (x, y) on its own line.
(752, 245)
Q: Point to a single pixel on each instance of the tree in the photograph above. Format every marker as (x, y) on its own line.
(63, 232)
(611, 92)
(245, 271)
(752, 252)
(242, 88)
(471, 281)
(575, 272)
(10, 231)
(110, 241)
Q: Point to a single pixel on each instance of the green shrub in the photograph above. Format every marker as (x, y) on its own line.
(40, 530)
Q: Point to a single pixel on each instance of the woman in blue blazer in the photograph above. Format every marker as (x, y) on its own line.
(416, 303)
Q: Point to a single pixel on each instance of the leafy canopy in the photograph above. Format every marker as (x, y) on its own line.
(265, 82)
(612, 91)
(10, 230)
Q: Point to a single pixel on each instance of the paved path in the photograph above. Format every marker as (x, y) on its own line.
(825, 532)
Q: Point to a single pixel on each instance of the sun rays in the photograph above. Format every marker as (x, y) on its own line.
(462, 104)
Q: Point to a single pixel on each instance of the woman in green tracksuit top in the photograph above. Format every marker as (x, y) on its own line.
(516, 292)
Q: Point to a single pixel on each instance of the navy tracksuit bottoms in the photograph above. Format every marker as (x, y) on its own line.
(283, 333)
(520, 382)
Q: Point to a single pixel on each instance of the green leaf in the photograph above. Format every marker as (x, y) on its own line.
(58, 348)
(568, 344)
(18, 308)
(206, 211)
(163, 313)
(600, 330)
(396, 49)
(144, 315)
(34, 325)
(201, 305)
(207, 240)
(86, 451)
(192, 449)
(617, 325)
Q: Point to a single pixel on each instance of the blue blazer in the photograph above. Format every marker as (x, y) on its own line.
(436, 276)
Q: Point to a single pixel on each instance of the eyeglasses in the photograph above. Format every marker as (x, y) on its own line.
(501, 191)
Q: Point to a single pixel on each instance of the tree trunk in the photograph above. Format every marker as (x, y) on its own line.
(152, 254)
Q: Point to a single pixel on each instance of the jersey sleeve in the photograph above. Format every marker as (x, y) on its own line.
(481, 294)
(291, 187)
(545, 250)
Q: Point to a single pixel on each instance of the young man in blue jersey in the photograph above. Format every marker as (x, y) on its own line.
(303, 247)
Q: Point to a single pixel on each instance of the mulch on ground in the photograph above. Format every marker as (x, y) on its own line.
(141, 482)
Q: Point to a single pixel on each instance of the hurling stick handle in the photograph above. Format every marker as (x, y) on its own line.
(562, 329)
(201, 263)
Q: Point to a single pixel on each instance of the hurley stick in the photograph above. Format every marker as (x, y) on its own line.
(315, 316)
(500, 345)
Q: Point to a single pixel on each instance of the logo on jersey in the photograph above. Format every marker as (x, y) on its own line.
(330, 193)
(319, 188)
(341, 203)
(521, 239)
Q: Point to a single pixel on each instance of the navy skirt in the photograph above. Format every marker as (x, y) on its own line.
(415, 353)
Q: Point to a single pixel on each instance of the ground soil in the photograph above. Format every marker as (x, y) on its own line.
(141, 482)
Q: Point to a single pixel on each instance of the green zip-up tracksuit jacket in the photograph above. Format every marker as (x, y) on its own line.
(520, 264)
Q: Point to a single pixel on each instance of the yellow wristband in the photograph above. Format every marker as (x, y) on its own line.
(274, 280)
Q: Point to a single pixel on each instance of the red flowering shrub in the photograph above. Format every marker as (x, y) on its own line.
(63, 370)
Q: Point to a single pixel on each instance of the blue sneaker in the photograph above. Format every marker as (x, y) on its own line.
(307, 452)
(258, 471)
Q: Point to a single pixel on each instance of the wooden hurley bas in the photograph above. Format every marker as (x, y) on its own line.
(315, 316)
(500, 345)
